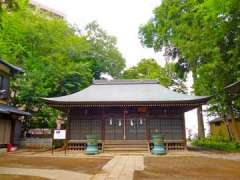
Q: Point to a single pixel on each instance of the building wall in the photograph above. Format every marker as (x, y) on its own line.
(219, 128)
(5, 131)
(108, 123)
(169, 124)
(4, 83)
(17, 131)
(35, 143)
(5, 121)
(51, 12)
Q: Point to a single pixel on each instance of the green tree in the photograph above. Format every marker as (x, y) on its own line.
(106, 57)
(57, 60)
(204, 37)
(150, 69)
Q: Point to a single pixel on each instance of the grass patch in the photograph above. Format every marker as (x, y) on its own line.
(218, 143)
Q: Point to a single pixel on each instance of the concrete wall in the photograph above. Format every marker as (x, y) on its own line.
(43, 143)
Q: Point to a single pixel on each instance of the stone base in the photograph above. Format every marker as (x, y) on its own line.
(91, 149)
(158, 150)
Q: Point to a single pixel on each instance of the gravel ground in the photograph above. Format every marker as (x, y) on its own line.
(83, 165)
(180, 167)
(19, 177)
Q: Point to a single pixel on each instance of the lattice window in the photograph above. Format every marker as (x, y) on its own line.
(85, 124)
(170, 127)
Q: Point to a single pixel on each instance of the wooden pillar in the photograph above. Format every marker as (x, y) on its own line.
(148, 126)
(184, 131)
(12, 132)
(68, 124)
(103, 125)
(201, 133)
(124, 123)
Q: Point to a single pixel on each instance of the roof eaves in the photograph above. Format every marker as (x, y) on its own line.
(234, 87)
(13, 69)
(4, 108)
(196, 101)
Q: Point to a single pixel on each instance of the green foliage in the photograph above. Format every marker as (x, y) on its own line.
(107, 58)
(150, 69)
(203, 37)
(57, 59)
(219, 143)
(147, 69)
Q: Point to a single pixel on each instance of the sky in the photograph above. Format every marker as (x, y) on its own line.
(120, 18)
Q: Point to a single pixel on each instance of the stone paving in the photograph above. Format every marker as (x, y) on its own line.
(121, 167)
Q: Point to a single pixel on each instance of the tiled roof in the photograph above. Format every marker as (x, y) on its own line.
(6, 109)
(122, 91)
(13, 69)
(233, 88)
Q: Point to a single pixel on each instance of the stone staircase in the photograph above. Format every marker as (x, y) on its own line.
(126, 146)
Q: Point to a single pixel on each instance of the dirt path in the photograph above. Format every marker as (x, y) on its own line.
(189, 167)
(50, 174)
(90, 165)
(121, 168)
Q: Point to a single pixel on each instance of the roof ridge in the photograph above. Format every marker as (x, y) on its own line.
(125, 81)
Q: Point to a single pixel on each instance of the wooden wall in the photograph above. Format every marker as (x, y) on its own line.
(169, 123)
(108, 123)
(219, 128)
(5, 131)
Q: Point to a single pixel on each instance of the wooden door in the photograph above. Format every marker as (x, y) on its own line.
(114, 128)
(135, 127)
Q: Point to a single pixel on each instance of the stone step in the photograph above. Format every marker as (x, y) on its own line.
(126, 149)
(125, 142)
(139, 145)
(126, 146)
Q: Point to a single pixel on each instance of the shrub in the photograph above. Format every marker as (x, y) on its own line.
(219, 143)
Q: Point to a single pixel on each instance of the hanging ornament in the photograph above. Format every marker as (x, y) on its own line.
(110, 121)
(119, 123)
(131, 122)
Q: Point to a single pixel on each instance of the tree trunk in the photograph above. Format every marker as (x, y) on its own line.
(201, 133)
(228, 128)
